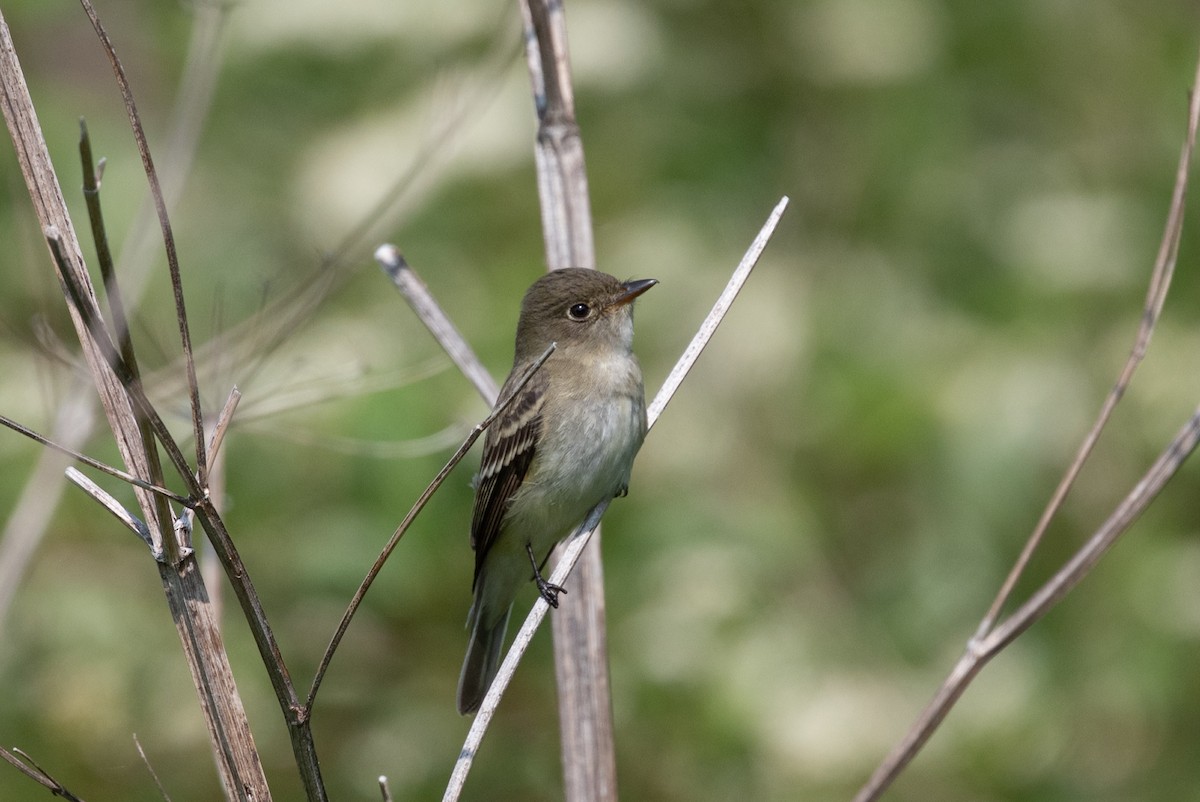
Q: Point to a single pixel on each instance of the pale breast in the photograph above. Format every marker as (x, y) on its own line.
(589, 439)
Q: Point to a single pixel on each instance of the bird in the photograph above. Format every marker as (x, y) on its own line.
(565, 443)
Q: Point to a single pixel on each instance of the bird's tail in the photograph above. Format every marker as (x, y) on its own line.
(483, 657)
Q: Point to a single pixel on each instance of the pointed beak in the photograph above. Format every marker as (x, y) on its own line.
(633, 288)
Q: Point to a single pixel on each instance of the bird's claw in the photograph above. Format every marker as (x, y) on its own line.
(549, 591)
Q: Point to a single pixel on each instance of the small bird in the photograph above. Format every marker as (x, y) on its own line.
(564, 444)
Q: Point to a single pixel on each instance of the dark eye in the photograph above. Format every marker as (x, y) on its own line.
(579, 312)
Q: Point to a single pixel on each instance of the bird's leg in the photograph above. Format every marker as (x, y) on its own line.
(548, 590)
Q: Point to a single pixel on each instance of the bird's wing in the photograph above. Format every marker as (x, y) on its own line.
(508, 450)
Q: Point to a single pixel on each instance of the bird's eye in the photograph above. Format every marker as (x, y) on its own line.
(579, 312)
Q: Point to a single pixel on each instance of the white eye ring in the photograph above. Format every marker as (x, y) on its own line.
(579, 312)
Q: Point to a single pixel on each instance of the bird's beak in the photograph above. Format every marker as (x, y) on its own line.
(633, 288)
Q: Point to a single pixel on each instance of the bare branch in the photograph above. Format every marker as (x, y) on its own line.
(91, 194)
(980, 651)
(709, 326)
(146, 417)
(1156, 294)
(237, 759)
(131, 521)
(990, 639)
(93, 463)
(25, 764)
(223, 421)
(580, 651)
(116, 306)
(168, 236)
(26, 528)
(561, 172)
(426, 308)
(1072, 573)
(153, 774)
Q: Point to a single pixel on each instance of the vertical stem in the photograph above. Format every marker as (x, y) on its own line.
(580, 649)
(237, 760)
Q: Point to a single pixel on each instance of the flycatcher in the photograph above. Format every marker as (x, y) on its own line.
(562, 446)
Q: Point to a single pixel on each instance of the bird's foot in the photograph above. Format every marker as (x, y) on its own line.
(548, 590)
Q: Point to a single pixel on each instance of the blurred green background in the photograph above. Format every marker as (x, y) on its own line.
(826, 509)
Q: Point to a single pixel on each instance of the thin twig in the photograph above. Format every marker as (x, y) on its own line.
(168, 236)
(709, 326)
(1072, 573)
(223, 422)
(989, 639)
(33, 511)
(576, 543)
(116, 306)
(298, 727)
(183, 131)
(153, 774)
(104, 345)
(235, 755)
(394, 540)
(980, 651)
(131, 521)
(25, 764)
(145, 417)
(104, 257)
(426, 308)
(1156, 294)
(93, 463)
(558, 152)
(215, 442)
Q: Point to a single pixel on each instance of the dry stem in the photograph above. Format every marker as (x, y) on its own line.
(990, 638)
